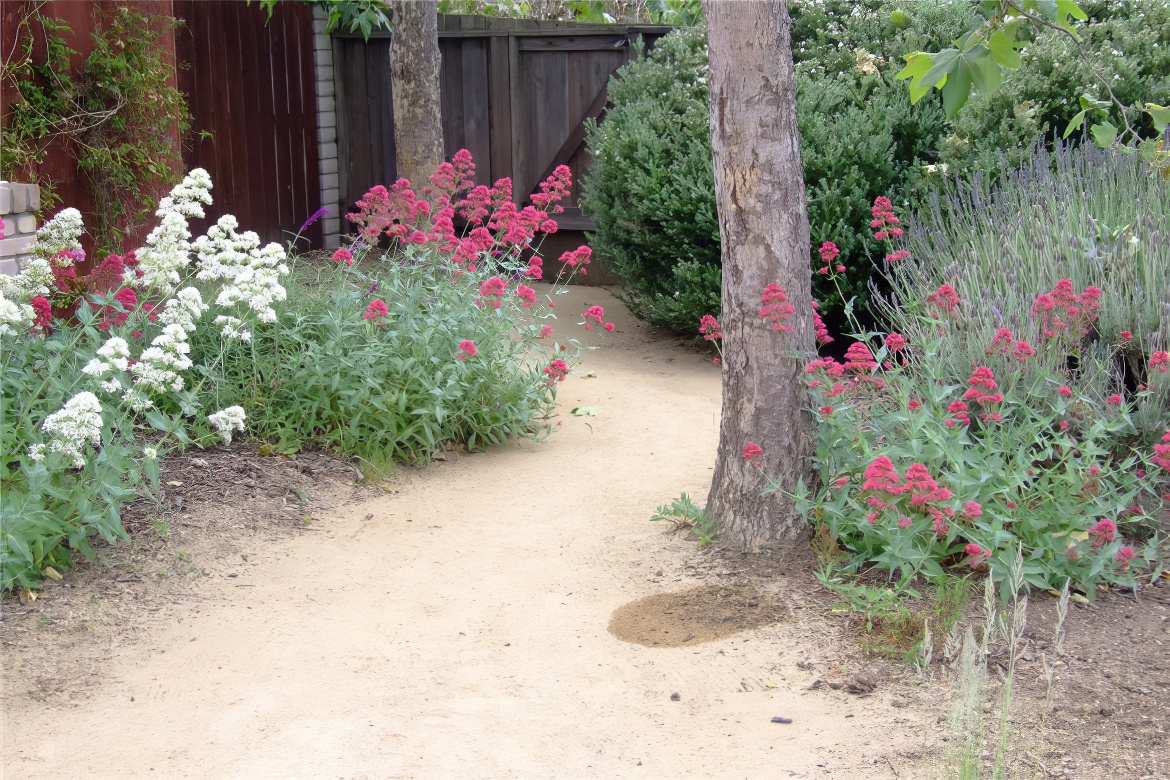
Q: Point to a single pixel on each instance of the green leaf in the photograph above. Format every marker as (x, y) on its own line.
(1004, 51)
(1104, 134)
(957, 89)
(586, 411)
(1160, 116)
(985, 75)
(1076, 122)
(942, 65)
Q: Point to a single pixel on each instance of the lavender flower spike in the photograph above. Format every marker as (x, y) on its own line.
(316, 215)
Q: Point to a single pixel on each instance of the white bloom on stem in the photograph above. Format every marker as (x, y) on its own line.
(112, 386)
(36, 453)
(136, 400)
(76, 424)
(61, 233)
(15, 317)
(252, 274)
(182, 310)
(150, 453)
(35, 278)
(116, 351)
(97, 368)
(228, 420)
(157, 370)
(233, 328)
(168, 246)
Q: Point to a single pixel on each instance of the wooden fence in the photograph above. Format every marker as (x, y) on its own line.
(250, 85)
(516, 93)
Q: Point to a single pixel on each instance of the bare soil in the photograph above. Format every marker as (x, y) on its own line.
(503, 614)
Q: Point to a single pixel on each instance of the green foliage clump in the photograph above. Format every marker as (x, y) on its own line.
(324, 377)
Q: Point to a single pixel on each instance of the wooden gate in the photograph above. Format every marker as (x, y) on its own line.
(250, 88)
(515, 92)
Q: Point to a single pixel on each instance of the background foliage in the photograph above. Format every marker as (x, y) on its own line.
(651, 190)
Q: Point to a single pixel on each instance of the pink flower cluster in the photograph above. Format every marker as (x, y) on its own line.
(556, 371)
(945, 300)
(883, 481)
(377, 311)
(1162, 453)
(491, 292)
(466, 350)
(829, 252)
(776, 309)
(1003, 343)
(1064, 310)
(709, 328)
(822, 332)
(885, 226)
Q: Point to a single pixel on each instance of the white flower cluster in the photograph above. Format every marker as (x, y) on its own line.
(78, 423)
(115, 353)
(182, 310)
(252, 274)
(15, 317)
(60, 233)
(34, 279)
(228, 420)
(233, 328)
(168, 245)
(158, 369)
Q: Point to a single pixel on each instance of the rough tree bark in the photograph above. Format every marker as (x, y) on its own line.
(763, 224)
(414, 71)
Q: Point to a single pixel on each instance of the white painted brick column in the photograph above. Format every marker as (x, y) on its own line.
(18, 204)
(327, 131)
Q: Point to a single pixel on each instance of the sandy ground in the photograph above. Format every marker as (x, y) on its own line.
(458, 628)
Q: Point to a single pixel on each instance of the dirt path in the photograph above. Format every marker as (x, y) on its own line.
(458, 628)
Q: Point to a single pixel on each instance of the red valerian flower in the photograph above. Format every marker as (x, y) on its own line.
(959, 410)
(971, 510)
(1161, 361)
(545, 330)
(945, 299)
(914, 405)
(1010, 504)
(828, 252)
(776, 308)
(1114, 400)
(709, 328)
(466, 350)
(880, 475)
(1126, 335)
(43, 311)
(905, 522)
(609, 326)
(595, 313)
(842, 481)
(377, 310)
(822, 332)
(491, 291)
(1103, 532)
(898, 256)
(1124, 556)
(859, 358)
(557, 371)
(1023, 351)
(526, 295)
(895, 342)
(826, 410)
(1064, 390)
(752, 450)
(1162, 453)
(343, 255)
(977, 553)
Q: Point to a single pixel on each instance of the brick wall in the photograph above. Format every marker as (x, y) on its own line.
(327, 131)
(18, 202)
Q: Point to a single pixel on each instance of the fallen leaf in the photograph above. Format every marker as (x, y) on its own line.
(586, 411)
(52, 573)
(589, 375)
(1078, 598)
(27, 595)
(174, 483)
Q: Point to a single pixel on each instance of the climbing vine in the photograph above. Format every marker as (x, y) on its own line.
(118, 117)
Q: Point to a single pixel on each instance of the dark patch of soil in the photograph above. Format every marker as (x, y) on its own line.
(693, 616)
(217, 508)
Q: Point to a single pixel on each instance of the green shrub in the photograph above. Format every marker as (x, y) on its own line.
(651, 191)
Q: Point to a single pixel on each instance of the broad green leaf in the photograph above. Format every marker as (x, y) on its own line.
(1076, 122)
(957, 89)
(1069, 8)
(1104, 134)
(985, 75)
(1004, 51)
(1160, 115)
(942, 65)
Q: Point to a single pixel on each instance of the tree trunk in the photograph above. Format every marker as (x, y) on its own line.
(414, 70)
(763, 224)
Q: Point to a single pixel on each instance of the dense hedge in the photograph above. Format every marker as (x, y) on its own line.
(650, 189)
